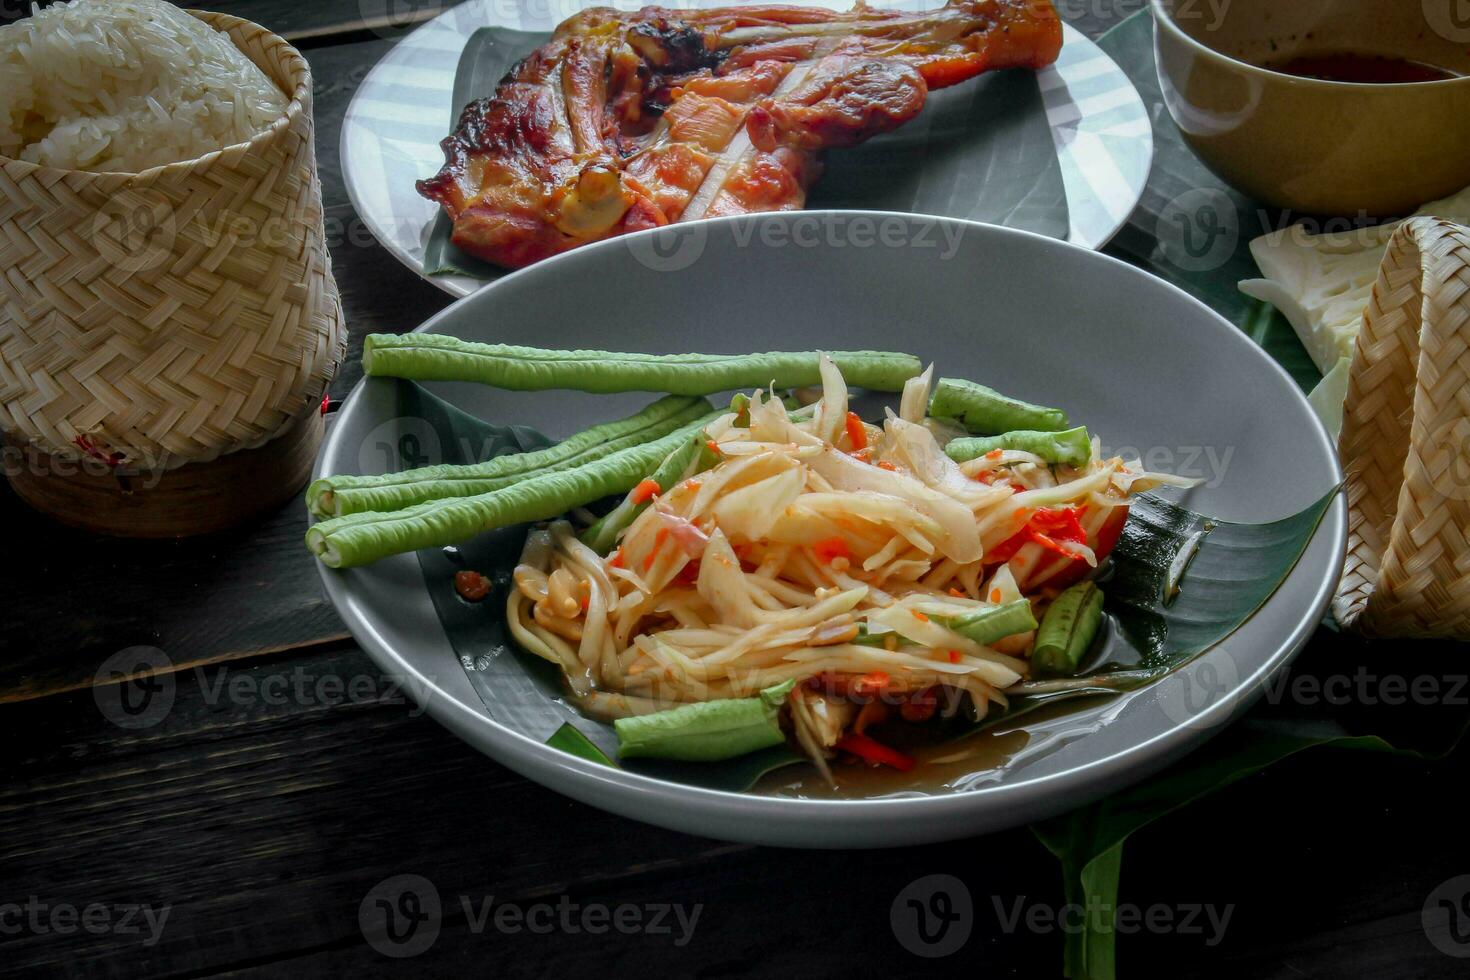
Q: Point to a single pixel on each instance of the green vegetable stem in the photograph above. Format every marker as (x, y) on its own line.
(334, 496)
(1072, 447)
(707, 731)
(1068, 629)
(436, 357)
(985, 411)
(357, 539)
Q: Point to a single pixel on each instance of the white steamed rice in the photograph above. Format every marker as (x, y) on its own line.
(124, 85)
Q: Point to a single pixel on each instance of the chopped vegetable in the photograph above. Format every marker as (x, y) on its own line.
(1072, 447)
(830, 548)
(337, 495)
(996, 623)
(1068, 629)
(985, 411)
(438, 357)
(707, 731)
(857, 433)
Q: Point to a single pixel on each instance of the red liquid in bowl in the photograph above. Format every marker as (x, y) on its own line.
(1349, 66)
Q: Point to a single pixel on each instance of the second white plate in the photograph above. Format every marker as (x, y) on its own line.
(391, 133)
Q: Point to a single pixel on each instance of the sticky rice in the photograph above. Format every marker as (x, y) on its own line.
(125, 85)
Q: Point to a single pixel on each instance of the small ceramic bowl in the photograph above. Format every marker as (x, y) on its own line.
(1369, 151)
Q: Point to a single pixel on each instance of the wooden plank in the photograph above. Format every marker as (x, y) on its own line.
(264, 807)
(265, 825)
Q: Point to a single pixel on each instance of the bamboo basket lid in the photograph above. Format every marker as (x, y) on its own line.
(1405, 443)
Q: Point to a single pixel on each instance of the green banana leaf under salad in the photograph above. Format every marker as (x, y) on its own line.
(772, 573)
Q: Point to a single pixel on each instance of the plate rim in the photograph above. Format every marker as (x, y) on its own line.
(462, 286)
(629, 794)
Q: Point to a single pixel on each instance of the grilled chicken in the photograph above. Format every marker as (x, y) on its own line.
(630, 121)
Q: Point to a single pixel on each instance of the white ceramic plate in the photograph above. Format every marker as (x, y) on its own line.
(391, 134)
(1143, 364)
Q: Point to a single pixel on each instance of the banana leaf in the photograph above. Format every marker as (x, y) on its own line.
(1232, 569)
(981, 150)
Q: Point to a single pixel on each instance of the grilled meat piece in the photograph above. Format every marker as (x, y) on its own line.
(630, 121)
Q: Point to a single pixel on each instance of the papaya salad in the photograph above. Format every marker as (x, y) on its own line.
(779, 571)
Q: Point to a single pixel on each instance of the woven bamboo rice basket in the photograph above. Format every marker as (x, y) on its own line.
(1405, 443)
(166, 338)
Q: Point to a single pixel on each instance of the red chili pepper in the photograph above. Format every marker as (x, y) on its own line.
(713, 447)
(326, 403)
(875, 753)
(617, 560)
(644, 491)
(1051, 544)
(1007, 549)
(1107, 539)
(689, 574)
(831, 548)
(1060, 525)
(856, 434)
(954, 656)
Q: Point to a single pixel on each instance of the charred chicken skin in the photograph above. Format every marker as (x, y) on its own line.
(629, 121)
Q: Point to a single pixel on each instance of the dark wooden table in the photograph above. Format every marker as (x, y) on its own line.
(288, 779)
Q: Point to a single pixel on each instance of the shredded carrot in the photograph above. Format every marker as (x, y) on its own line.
(995, 595)
(658, 542)
(883, 464)
(713, 447)
(617, 560)
(954, 656)
(856, 434)
(919, 616)
(694, 485)
(956, 593)
(644, 491)
(994, 454)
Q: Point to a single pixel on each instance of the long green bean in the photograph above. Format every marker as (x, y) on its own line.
(986, 411)
(436, 357)
(1070, 448)
(335, 496)
(357, 539)
(603, 534)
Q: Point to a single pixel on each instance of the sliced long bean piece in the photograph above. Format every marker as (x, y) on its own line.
(707, 731)
(986, 411)
(357, 539)
(436, 357)
(1072, 447)
(1067, 630)
(989, 625)
(334, 496)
